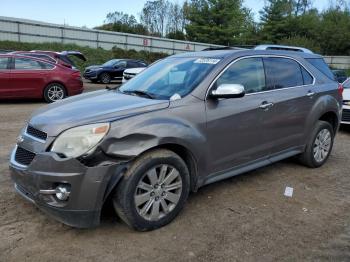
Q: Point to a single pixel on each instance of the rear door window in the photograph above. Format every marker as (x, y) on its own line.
(3, 63)
(282, 73)
(30, 64)
(248, 72)
(321, 65)
(45, 57)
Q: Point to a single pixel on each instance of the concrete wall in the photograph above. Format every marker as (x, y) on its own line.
(338, 62)
(22, 30)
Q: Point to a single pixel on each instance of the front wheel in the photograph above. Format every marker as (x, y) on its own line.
(153, 191)
(54, 92)
(319, 146)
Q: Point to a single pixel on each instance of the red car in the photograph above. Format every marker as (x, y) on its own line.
(30, 77)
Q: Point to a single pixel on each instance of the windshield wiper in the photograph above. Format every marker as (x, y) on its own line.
(139, 93)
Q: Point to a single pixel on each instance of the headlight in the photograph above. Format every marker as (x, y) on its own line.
(346, 102)
(77, 141)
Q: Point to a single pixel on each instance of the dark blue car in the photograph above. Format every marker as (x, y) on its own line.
(111, 70)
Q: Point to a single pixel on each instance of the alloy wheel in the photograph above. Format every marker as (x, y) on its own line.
(322, 145)
(55, 93)
(158, 192)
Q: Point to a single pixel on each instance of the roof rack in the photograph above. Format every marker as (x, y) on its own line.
(283, 47)
(222, 48)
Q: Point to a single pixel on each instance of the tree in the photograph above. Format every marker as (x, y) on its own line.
(335, 34)
(154, 16)
(120, 22)
(217, 21)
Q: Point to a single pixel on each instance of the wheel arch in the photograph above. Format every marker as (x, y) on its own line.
(332, 118)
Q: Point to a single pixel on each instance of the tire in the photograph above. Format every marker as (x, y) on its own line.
(322, 137)
(105, 78)
(54, 92)
(137, 206)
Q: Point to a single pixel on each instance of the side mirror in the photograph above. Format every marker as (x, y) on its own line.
(228, 91)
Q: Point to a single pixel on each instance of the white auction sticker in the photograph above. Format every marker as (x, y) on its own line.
(211, 61)
(288, 192)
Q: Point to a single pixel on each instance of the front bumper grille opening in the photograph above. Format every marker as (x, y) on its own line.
(36, 133)
(23, 156)
(346, 115)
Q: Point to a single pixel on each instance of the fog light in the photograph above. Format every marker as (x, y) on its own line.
(62, 192)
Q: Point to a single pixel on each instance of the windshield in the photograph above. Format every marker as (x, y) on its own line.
(110, 62)
(171, 76)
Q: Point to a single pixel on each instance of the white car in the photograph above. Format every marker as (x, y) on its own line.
(346, 102)
(131, 72)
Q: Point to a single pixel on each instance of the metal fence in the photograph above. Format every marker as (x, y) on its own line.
(22, 30)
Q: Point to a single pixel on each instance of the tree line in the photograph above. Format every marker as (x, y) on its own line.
(229, 22)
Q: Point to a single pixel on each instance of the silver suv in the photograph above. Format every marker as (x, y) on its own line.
(186, 121)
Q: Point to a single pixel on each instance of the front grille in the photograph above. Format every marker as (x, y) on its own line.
(346, 115)
(36, 133)
(23, 156)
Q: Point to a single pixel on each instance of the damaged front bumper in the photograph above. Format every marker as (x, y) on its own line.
(89, 186)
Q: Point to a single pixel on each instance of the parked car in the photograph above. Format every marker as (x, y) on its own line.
(62, 58)
(346, 103)
(340, 75)
(131, 72)
(111, 70)
(30, 77)
(187, 121)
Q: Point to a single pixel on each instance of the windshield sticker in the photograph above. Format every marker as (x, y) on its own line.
(211, 61)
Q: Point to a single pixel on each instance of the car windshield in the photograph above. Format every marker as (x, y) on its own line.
(169, 77)
(110, 62)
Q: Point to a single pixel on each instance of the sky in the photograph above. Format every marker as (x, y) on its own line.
(92, 13)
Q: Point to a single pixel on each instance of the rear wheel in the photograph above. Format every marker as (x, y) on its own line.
(153, 191)
(320, 145)
(105, 78)
(54, 92)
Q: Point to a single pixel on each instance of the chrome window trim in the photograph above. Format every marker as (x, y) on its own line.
(261, 56)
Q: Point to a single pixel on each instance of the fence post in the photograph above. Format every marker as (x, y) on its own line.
(18, 32)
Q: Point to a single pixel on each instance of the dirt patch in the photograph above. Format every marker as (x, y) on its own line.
(245, 218)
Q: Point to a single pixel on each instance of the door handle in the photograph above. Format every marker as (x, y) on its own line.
(265, 105)
(310, 94)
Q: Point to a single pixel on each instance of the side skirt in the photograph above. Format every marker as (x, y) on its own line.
(252, 165)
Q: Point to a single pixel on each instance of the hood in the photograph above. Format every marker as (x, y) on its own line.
(92, 107)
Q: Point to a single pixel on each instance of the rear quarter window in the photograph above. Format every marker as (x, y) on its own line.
(321, 65)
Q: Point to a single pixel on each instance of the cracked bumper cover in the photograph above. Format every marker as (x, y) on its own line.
(90, 187)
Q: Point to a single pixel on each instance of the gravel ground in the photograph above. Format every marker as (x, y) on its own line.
(245, 218)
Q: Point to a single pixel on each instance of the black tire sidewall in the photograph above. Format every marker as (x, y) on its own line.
(320, 126)
(46, 96)
(126, 190)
